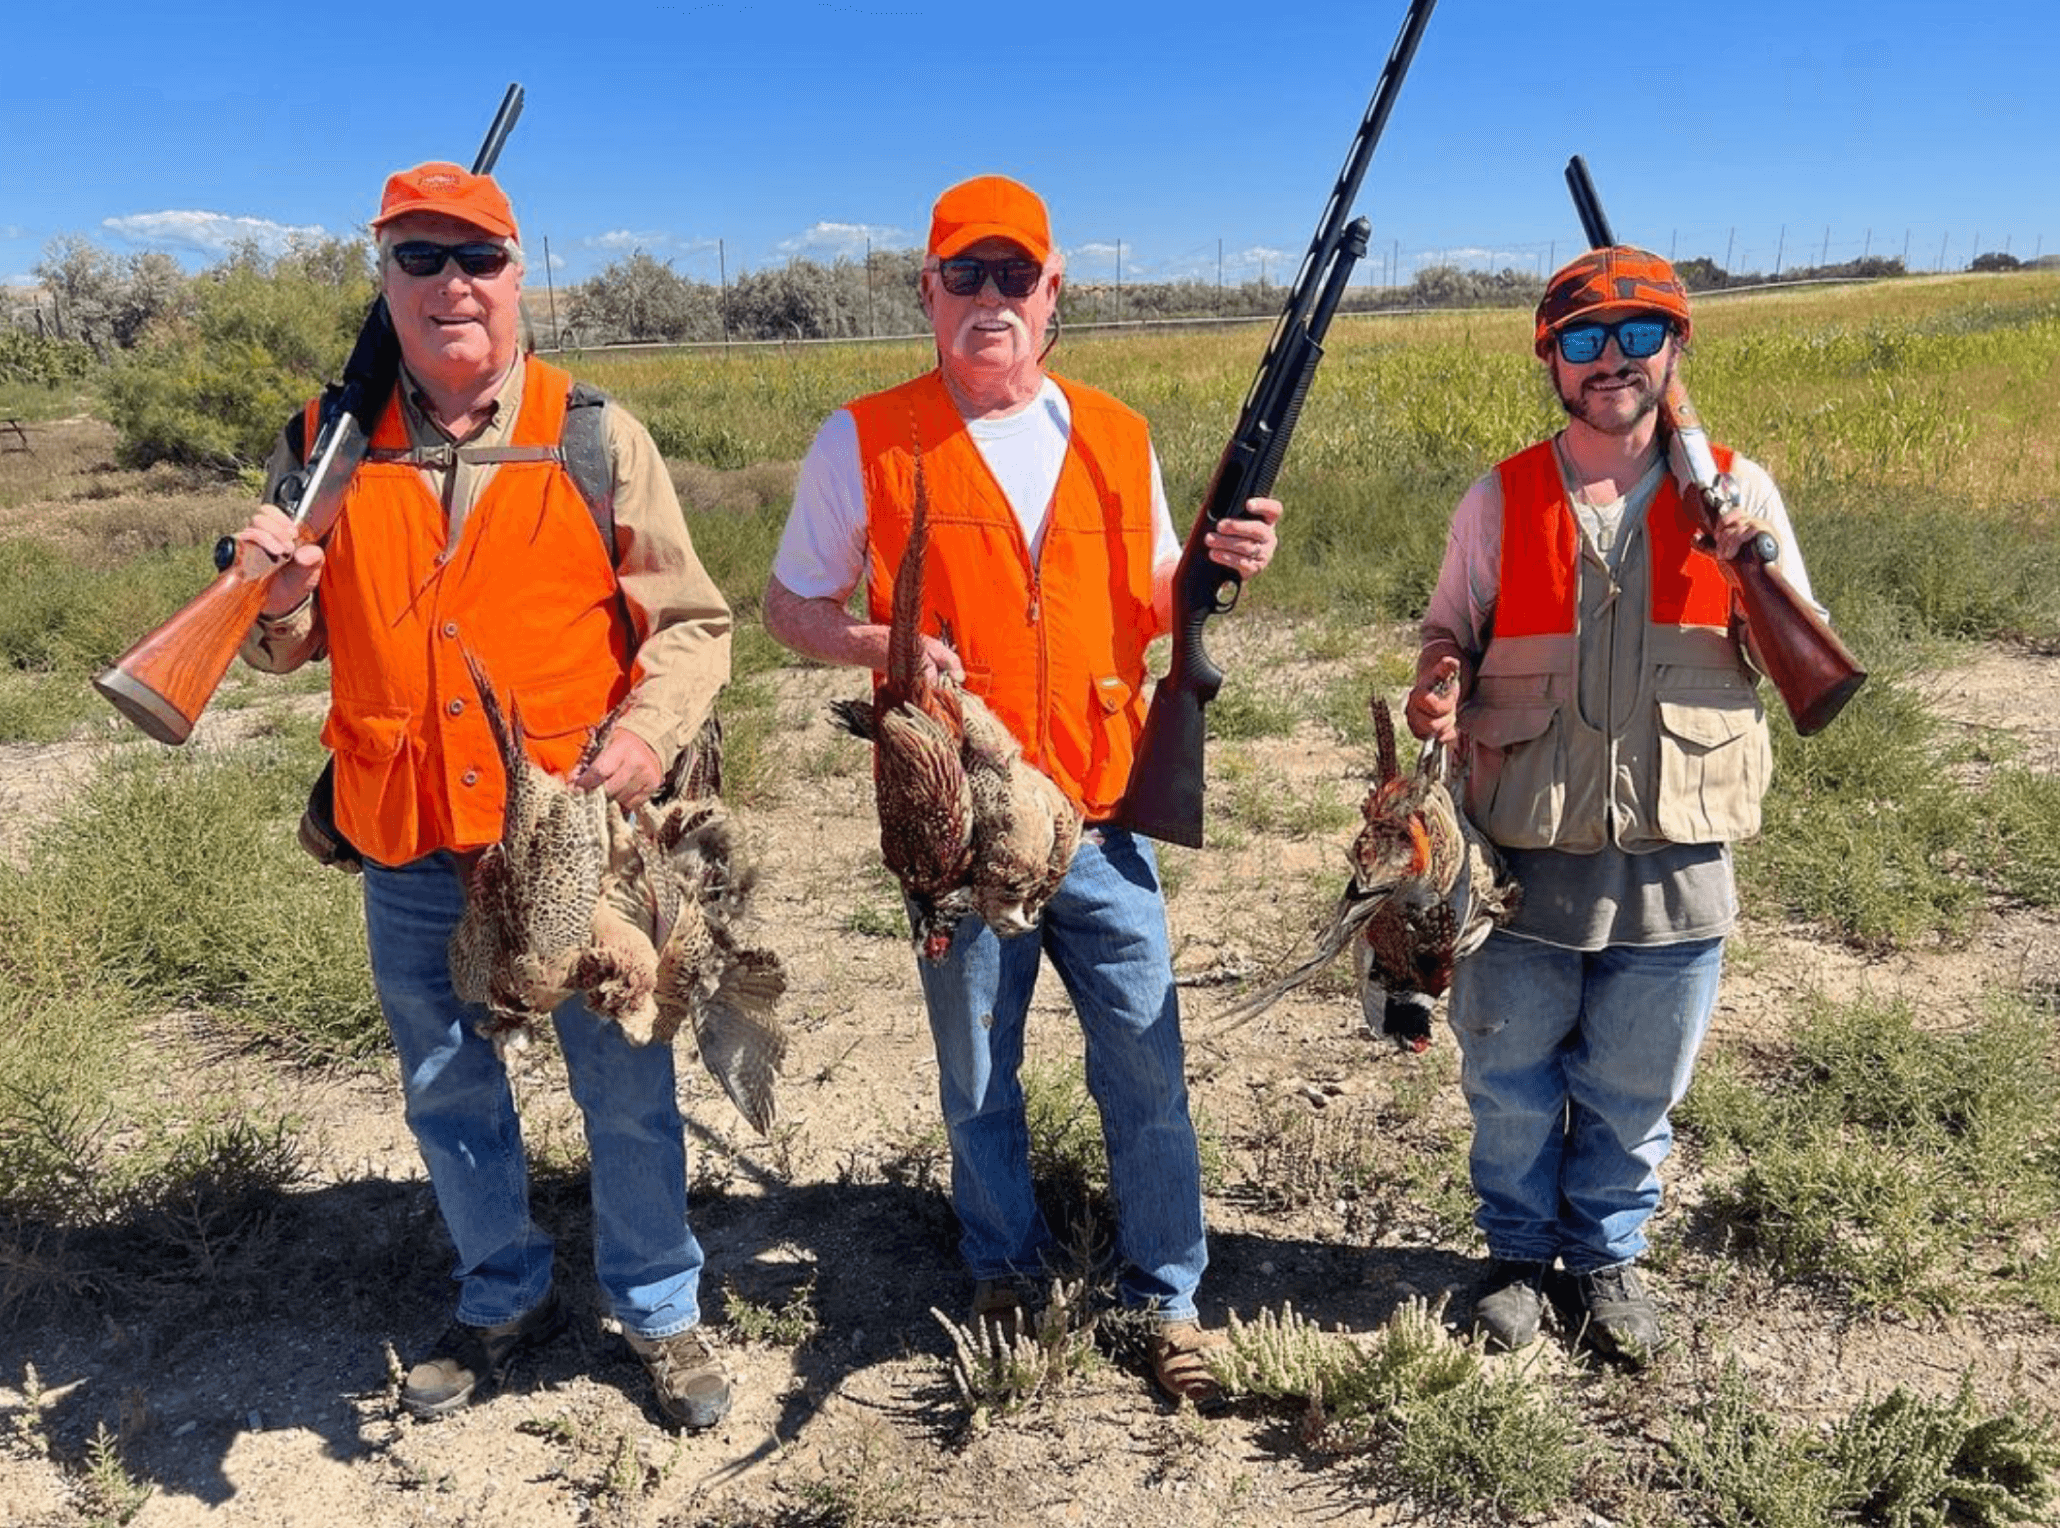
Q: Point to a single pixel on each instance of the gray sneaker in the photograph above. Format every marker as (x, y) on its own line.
(1508, 1303)
(468, 1357)
(693, 1390)
(1618, 1317)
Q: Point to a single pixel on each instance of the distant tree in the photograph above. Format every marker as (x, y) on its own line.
(1995, 260)
(106, 302)
(1701, 274)
(643, 298)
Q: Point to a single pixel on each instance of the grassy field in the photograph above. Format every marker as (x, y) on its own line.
(1909, 426)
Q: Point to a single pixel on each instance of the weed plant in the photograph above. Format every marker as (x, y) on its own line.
(1461, 1432)
(790, 1324)
(1909, 1169)
(997, 1374)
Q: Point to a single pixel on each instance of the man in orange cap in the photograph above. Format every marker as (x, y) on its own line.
(1050, 562)
(1582, 646)
(465, 531)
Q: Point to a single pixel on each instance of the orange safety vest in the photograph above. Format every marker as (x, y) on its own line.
(1539, 582)
(1056, 645)
(528, 588)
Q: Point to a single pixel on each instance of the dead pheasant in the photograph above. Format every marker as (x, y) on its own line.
(530, 900)
(917, 728)
(679, 879)
(1426, 891)
(1024, 828)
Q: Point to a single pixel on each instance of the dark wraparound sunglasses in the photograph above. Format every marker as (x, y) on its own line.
(420, 257)
(963, 275)
(1636, 338)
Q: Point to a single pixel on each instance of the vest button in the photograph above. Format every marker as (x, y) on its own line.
(471, 777)
(456, 707)
(450, 628)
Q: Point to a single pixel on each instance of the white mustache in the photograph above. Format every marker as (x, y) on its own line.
(1005, 315)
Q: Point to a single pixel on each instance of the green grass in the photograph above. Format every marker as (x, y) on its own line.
(1904, 1168)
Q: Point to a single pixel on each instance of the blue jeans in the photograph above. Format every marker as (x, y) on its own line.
(1106, 934)
(463, 1115)
(1571, 1061)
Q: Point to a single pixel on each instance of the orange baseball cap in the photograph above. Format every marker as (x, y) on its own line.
(452, 190)
(1607, 282)
(990, 207)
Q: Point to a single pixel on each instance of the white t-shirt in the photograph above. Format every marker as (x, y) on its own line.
(822, 550)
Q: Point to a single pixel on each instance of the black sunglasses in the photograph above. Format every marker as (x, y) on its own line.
(1636, 339)
(963, 275)
(420, 257)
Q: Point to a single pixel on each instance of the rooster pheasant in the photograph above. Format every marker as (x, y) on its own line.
(967, 824)
(1426, 890)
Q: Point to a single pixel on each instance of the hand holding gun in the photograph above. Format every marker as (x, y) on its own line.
(1807, 663)
(164, 682)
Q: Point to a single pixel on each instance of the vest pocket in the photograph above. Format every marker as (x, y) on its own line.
(1516, 778)
(373, 734)
(1714, 762)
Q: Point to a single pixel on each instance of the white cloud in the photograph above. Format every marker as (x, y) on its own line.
(627, 240)
(10, 231)
(1474, 255)
(18, 281)
(209, 232)
(848, 240)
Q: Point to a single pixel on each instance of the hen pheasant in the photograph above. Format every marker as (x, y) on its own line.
(1426, 890)
(634, 911)
(528, 924)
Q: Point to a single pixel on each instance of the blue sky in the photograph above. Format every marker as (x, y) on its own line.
(1808, 128)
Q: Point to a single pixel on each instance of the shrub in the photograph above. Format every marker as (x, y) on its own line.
(213, 388)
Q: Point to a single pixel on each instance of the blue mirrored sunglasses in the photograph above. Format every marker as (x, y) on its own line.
(1636, 338)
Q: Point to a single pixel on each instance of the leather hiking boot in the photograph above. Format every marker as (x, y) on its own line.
(1180, 1366)
(998, 1314)
(467, 1357)
(1509, 1302)
(1618, 1318)
(693, 1390)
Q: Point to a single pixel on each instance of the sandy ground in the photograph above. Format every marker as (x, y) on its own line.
(269, 1400)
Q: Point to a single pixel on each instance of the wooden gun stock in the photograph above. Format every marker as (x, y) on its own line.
(163, 683)
(1802, 657)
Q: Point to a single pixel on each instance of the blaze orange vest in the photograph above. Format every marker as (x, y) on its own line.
(1054, 645)
(528, 588)
(1541, 553)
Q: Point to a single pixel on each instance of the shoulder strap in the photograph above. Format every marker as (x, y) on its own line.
(584, 447)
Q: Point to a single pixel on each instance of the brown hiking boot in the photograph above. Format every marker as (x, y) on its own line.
(693, 1390)
(1180, 1365)
(467, 1357)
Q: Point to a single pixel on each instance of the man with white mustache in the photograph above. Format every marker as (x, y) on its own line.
(1050, 562)
(1584, 647)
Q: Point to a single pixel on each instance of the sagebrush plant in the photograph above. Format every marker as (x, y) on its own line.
(996, 1373)
(1460, 1430)
(1902, 1461)
(1904, 1166)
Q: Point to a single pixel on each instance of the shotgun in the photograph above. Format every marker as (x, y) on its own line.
(164, 682)
(1164, 796)
(1808, 665)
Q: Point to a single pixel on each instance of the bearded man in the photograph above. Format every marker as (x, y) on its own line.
(1584, 644)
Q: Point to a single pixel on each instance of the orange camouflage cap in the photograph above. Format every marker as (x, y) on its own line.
(452, 190)
(1609, 282)
(990, 207)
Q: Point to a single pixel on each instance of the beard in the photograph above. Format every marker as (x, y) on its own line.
(1599, 411)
